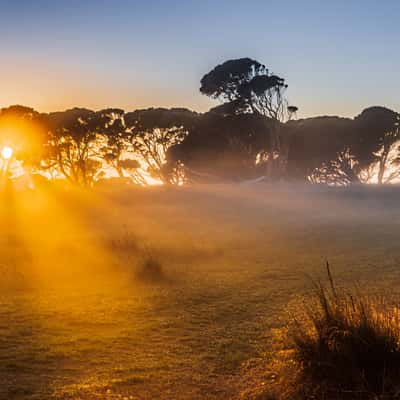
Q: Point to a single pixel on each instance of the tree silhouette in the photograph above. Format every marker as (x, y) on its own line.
(224, 82)
(71, 149)
(21, 129)
(316, 143)
(345, 151)
(377, 134)
(115, 148)
(227, 143)
(222, 147)
(152, 133)
(247, 86)
(342, 171)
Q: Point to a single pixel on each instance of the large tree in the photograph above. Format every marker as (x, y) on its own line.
(247, 86)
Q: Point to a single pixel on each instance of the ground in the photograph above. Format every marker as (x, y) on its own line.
(80, 318)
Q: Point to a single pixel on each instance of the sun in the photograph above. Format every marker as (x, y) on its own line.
(7, 152)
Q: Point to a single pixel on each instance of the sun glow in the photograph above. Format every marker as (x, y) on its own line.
(7, 153)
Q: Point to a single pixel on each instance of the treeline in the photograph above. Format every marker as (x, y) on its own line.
(252, 133)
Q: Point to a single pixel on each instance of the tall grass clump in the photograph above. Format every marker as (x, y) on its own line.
(346, 346)
(150, 267)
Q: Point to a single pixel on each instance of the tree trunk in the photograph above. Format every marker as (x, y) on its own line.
(382, 165)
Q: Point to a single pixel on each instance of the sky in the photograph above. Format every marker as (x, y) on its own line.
(338, 57)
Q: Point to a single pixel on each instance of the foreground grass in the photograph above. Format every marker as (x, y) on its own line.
(88, 311)
(345, 345)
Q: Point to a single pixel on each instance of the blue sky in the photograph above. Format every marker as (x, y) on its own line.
(338, 56)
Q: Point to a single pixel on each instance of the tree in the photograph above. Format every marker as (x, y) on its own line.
(116, 148)
(292, 111)
(247, 86)
(222, 146)
(72, 145)
(342, 171)
(387, 158)
(22, 131)
(376, 142)
(316, 143)
(345, 151)
(225, 81)
(152, 133)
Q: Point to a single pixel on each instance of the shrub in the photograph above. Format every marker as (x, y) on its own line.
(150, 269)
(346, 346)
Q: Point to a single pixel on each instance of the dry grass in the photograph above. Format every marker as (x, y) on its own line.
(342, 345)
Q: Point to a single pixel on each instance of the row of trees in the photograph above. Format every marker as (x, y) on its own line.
(83, 146)
(253, 132)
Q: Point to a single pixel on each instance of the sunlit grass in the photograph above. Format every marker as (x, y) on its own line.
(79, 319)
(341, 343)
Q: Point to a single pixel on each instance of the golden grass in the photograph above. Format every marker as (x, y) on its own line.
(77, 322)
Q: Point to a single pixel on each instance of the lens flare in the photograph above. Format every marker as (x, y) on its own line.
(7, 152)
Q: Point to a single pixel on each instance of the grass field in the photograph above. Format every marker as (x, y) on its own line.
(80, 317)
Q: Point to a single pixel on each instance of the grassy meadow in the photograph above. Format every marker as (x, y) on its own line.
(174, 293)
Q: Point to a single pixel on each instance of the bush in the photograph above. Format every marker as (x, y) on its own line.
(150, 269)
(346, 347)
